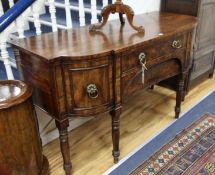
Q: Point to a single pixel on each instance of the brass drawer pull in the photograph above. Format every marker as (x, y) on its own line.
(142, 58)
(176, 44)
(92, 91)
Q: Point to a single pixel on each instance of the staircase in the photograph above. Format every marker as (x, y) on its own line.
(49, 16)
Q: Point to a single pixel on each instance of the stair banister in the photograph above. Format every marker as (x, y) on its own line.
(36, 15)
(81, 13)
(11, 3)
(105, 3)
(8, 22)
(94, 18)
(68, 14)
(52, 11)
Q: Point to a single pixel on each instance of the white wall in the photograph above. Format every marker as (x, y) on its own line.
(140, 6)
(143, 6)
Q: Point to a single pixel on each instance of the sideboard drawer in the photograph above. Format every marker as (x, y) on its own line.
(152, 53)
(89, 87)
(132, 81)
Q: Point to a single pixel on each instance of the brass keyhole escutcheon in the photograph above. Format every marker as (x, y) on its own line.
(142, 58)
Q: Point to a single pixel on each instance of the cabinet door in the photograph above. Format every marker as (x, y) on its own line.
(189, 7)
(89, 86)
(202, 65)
(206, 27)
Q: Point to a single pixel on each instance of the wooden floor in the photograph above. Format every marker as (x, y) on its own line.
(144, 115)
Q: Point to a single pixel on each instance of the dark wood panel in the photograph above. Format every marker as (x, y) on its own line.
(202, 65)
(205, 31)
(189, 7)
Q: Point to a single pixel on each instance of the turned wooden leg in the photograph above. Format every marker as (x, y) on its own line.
(115, 133)
(211, 74)
(186, 84)
(64, 145)
(179, 95)
(122, 20)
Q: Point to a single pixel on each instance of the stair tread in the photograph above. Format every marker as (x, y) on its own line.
(60, 20)
(27, 33)
(87, 3)
(11, 53)
(3, 75)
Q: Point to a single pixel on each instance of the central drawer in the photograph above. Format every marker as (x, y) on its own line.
(163, 60)
(153, 53)
(132, 82)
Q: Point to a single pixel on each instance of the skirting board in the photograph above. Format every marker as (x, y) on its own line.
(47, 128)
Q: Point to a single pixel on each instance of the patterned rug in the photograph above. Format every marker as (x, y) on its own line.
(150, 147)
(191, 152)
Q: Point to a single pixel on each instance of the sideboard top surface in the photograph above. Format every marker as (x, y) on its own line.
(79, 42)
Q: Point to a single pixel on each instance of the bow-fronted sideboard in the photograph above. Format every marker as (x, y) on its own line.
(77, 73)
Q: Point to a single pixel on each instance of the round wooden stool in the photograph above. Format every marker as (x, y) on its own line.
(20, 145)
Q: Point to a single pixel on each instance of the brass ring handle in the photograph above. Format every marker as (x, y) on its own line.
(142, 58)
(176, 44)
(92, 91)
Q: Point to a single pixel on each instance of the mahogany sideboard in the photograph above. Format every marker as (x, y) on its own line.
(78, 73)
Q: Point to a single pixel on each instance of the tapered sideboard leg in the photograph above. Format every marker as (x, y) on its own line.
(64, 145)
(211, 74)
(115, 133)
(179, 94)
(186, 85)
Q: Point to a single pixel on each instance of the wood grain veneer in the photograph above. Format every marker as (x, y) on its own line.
(20, 148)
